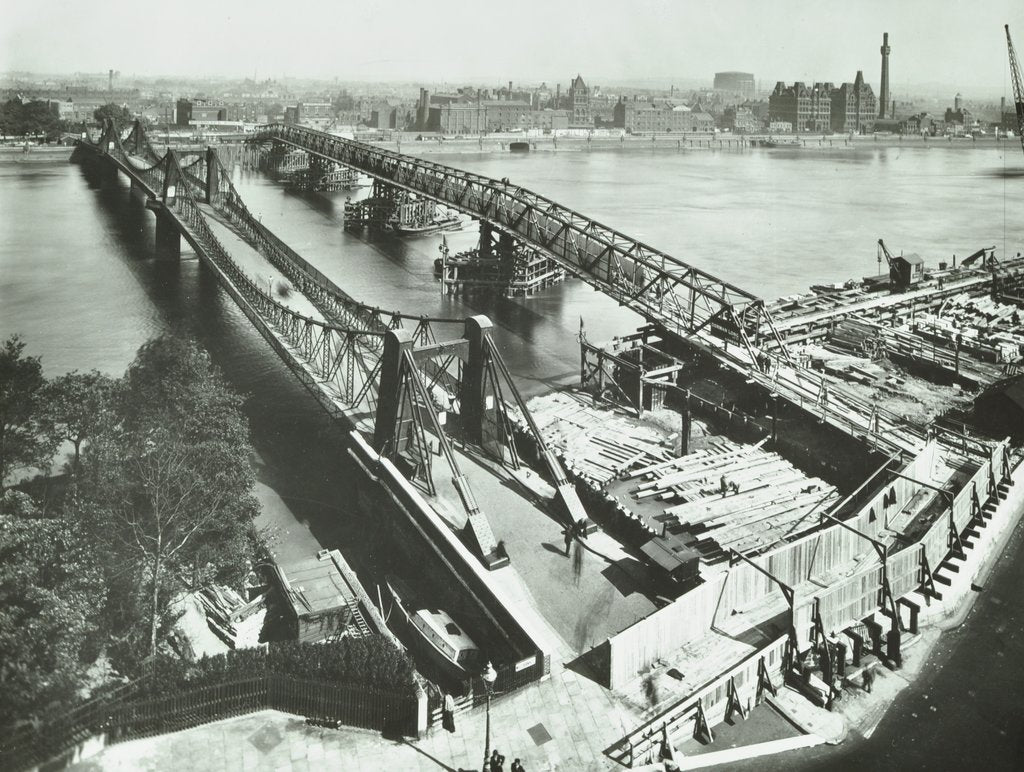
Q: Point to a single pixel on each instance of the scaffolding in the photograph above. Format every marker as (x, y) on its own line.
(399, 210)
(499, 263)
(318, 179)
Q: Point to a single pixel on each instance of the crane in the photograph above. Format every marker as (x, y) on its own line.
(987, 255)
(904, 270)
(1018, 90)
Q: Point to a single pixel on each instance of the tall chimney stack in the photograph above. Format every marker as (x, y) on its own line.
(110, 81)
(510, 91)
(883, 96)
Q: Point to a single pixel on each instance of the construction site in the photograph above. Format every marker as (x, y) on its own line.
(778, 497)
(794, 547)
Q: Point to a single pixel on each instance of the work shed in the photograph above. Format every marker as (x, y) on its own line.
(322, 598)
(906, 270)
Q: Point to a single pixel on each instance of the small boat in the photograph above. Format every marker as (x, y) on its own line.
(448, 223)
(781, 143)
(446, 641)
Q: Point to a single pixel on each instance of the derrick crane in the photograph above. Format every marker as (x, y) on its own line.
(1018, 90)
(987, 255)
(883, 250)
(904, 270)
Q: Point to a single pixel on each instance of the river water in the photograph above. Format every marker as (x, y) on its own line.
(80, 282)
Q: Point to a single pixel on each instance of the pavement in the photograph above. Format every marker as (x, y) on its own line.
(561, 723)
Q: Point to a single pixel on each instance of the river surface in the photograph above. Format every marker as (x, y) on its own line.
(80, 283)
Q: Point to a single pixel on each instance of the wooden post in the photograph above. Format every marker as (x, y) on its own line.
(684, 429)
(775, 419)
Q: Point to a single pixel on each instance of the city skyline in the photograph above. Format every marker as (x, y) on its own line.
(960, 46)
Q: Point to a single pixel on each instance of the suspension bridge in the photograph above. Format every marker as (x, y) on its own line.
(393, 376)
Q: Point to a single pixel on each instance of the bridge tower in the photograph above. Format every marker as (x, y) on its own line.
(408, 427)
(168, 237)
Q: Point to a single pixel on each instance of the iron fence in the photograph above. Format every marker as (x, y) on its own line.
(132, 714)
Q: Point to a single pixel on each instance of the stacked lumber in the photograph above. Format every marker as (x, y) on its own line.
(853, 336)
(765, 499)
(597, 444)
(224, 609)
(988, 330)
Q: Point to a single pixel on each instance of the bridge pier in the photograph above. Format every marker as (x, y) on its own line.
(168, 237)
(500, 262)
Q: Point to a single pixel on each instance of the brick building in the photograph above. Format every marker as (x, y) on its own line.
(548, 120)
(854, 107)
(580, 116)
(741, 120)
(807, 108)
(638, 117)
(202, 110)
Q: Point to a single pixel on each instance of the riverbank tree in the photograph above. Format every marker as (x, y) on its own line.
(167, 483)
(161, 503)
(73, 406)
(51, 595)
(19, 119)
(23, 443)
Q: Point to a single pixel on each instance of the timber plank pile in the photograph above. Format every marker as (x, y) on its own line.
(597, 444)
(225, 609)
(988, 330)
(732, 497)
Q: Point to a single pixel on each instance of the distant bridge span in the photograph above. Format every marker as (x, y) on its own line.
(680, 298)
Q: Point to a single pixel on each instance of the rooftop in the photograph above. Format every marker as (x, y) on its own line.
(315, 585)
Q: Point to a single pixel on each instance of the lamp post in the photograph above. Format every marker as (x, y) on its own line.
(489, 676)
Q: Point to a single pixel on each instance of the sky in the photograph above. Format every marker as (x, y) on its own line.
(528, 41)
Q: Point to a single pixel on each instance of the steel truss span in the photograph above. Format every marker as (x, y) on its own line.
(682, 299)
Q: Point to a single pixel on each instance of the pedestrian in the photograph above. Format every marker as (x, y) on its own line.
(448, 713)
(517, 766)
(497, 761)
(869, 678)
(724, 486)
(568, 540)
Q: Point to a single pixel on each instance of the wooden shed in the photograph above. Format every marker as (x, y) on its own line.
(321, 598)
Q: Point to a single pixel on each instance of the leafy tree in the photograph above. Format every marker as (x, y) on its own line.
(19, 118)
(169, 483)
(120, 114)
(73, 406)
(21, 379)
(51, 593)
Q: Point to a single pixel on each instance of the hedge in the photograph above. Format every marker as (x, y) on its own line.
(372, 661)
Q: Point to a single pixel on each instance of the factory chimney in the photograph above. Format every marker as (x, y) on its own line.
(883, 97)
(110, 81)
(510, 91)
